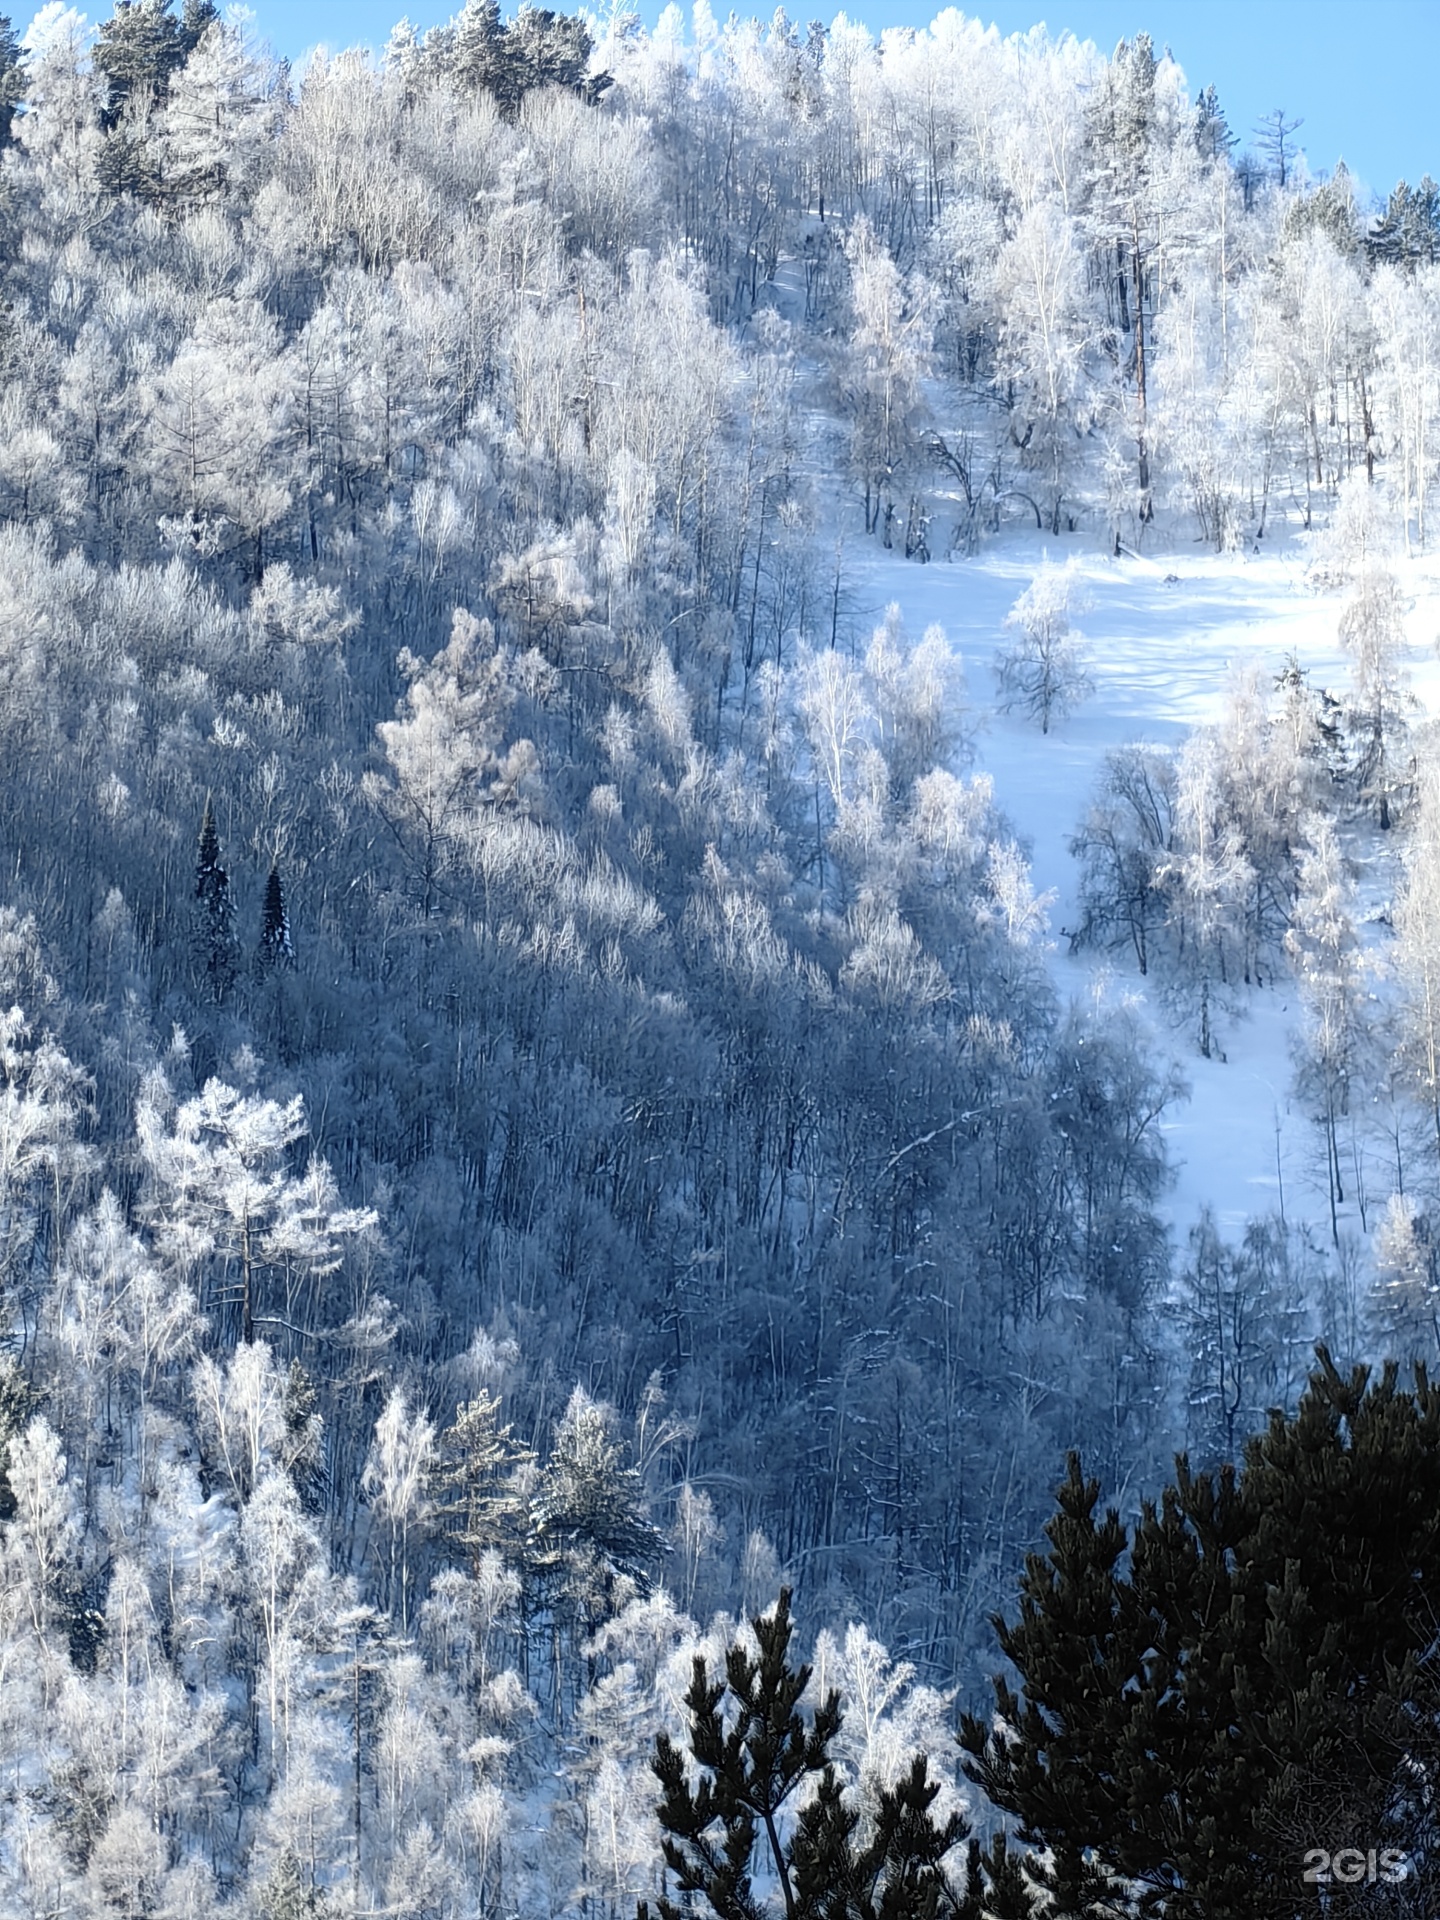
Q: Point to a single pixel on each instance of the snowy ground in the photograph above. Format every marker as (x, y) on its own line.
(1161, 651)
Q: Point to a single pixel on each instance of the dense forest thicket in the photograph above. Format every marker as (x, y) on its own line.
(534, 1099)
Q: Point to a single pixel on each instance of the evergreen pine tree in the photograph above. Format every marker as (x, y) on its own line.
(588, 1520)
(1257, 1681)
(1213, 137)
(1329, 209)
(142, 45)
(477, 51)
(475, 1493)
(139, 50)
(1068, 1884)
(275, 950)
(544, 49)
(304, 1429)
(289, 1894)
(1407, 234)
(18, 1400)
(1009, 1895)
(757, 1753)
(1056, 1772)
(539, 48)
(12, 78)
(215, 920)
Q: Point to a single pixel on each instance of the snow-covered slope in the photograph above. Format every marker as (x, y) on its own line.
(1164, 634)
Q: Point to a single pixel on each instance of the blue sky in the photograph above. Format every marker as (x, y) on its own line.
(1362, 74)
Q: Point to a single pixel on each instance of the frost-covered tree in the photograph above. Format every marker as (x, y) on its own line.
(1141, 154)
(591, 1539)
(1044, 671)
(916, 693)
(1046, 333)
(1417, 928)
(1403, 314)
(221, 111)
(444, 753)
(282, 1557)
(1123, 844)
(1213, 877)
(1404, 1302)
(479, 1502)
(118, 1327)
(226, 1202)
(881, 378)
(218, 429)
(1324, 950)
(1246, 1333)
(246, 1419)
(42, 1535)
(44, 1163)
(12, 77)
(1372, 631)
(398, 1476)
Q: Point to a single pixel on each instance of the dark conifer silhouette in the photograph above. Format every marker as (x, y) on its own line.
(276, 950)
(215, 914)
(1248, 1674)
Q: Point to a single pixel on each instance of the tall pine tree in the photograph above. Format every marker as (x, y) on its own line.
(478, 49)
(1407, 234)
(539, 48)
(475, 1490)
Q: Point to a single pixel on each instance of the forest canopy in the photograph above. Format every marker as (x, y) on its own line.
(536, 1100)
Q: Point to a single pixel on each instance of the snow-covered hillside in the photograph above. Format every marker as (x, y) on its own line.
(535, 1105)
(1164, 633)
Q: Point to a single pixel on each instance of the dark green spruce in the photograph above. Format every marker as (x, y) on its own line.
(214, 914)
(276, 950)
